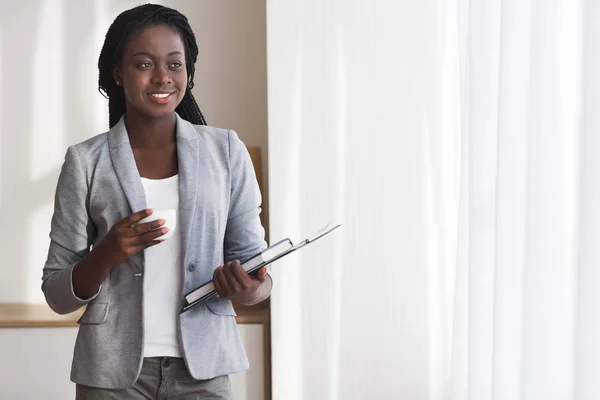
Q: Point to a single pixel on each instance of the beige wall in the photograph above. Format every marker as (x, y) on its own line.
(49, 100)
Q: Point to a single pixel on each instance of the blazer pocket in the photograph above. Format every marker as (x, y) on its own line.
(220, 307)
(94, 314)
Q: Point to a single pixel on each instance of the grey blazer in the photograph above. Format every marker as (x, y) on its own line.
(99, 184)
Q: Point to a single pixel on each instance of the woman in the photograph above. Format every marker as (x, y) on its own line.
(132, 341)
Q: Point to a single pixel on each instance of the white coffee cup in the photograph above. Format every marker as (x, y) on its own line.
(170, 217)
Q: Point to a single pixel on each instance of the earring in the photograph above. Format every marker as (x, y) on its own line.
(118, 83)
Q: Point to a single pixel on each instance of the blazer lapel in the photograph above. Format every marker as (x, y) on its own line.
(125, 167)
(128, 175)
(187, 154)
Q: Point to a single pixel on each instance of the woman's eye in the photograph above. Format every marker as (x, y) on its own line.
(176, 65)
(145, 65)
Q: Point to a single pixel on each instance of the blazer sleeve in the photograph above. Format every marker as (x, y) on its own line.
(244, 234)
(71, 236)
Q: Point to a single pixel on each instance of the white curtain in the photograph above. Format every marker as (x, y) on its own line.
(525, 321)
(459, 144)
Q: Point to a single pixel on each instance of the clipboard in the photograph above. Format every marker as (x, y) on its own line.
(252, 264)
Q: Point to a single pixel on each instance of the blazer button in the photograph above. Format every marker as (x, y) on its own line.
(191, 267)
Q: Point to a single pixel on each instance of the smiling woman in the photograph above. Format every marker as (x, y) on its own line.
(158, 155)
(152, 73)
(155, 40)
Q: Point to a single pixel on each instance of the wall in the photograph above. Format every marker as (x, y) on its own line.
(50, 100)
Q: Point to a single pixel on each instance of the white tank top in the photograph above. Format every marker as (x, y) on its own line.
(162, 276)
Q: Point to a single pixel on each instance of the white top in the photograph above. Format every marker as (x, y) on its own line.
(162, 276)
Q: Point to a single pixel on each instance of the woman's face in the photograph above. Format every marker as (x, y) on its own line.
(153, 73)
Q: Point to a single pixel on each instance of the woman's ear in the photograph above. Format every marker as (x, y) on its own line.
(117, 76)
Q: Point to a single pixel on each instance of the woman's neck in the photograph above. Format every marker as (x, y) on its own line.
(147, 133)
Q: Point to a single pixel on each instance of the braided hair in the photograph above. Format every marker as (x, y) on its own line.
(124, 26)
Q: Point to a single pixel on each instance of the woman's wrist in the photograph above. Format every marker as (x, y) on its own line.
(102, 258)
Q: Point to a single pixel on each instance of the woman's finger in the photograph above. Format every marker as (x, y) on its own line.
(140, 229)
(261, 274)
(220, 276)
(152, 235)
(137, 216)
(232, 281)
(240, 275)
(217, 284)
(152, 243)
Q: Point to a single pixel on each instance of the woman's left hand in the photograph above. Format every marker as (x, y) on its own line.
(235, 284)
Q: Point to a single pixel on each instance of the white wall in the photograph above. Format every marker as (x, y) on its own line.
(48, 80)
(353, 101)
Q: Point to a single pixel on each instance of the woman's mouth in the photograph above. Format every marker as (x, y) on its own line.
(160, 98)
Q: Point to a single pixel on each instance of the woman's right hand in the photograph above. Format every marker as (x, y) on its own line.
(127, 238)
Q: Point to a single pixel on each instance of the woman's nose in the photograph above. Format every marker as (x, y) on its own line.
(161, 76)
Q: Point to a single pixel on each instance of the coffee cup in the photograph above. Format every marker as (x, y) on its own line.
(170, 217)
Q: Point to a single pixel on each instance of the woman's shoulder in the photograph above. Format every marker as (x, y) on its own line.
(226, 139)
(93, 142)
(90, 149)
(208, 132)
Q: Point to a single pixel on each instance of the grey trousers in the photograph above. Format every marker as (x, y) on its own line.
(163, 378)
